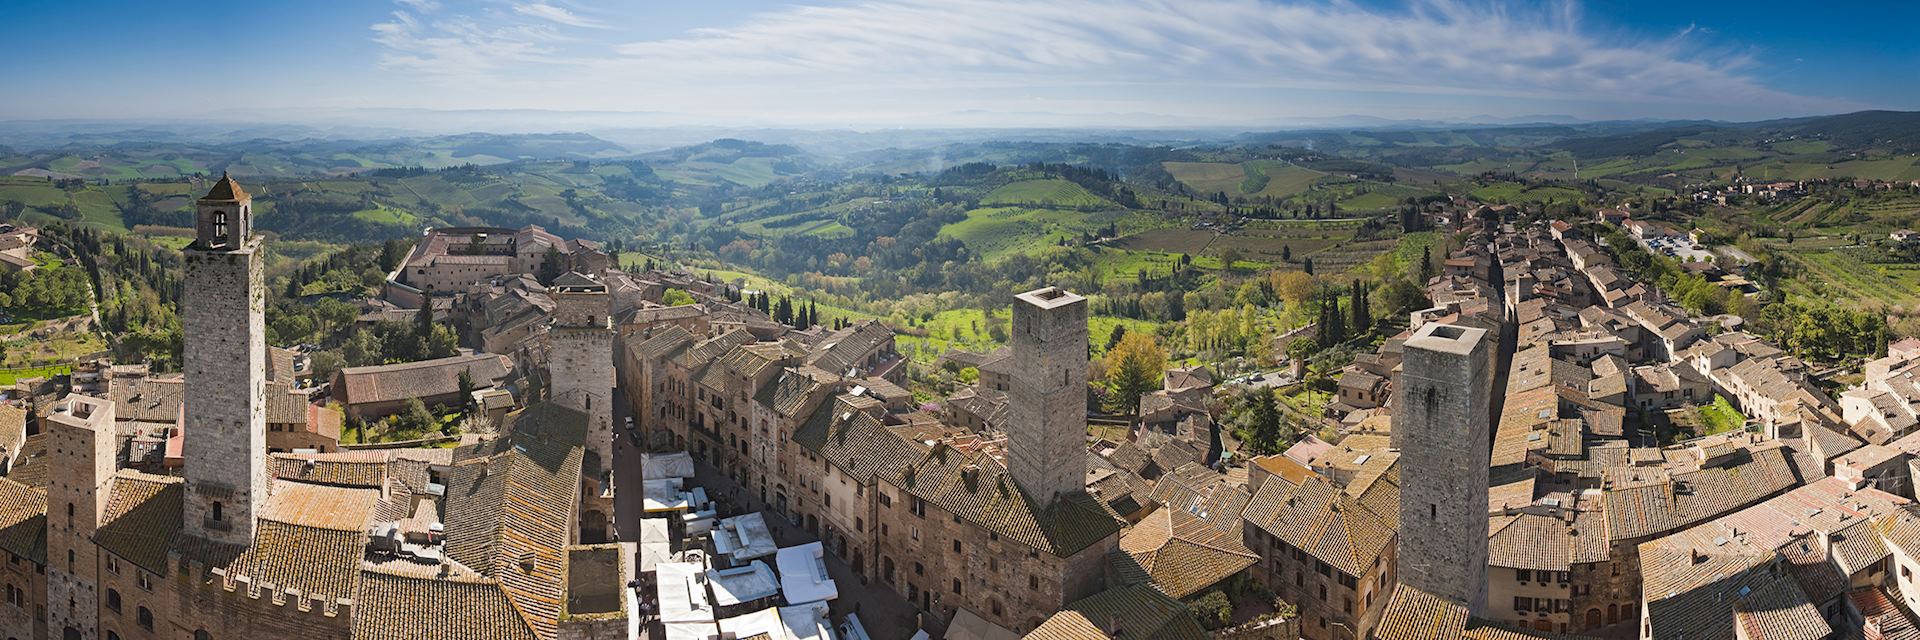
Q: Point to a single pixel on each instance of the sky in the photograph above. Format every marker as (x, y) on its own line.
(875, 64)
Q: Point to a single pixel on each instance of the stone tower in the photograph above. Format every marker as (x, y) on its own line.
(82, 452)
(580, 356)
(1442, 427)
(1047, 429)
(226, 363)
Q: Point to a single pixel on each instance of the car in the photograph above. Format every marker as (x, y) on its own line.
(635, 436)
(1257, 377)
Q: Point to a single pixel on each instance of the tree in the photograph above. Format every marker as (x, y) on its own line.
(676, 297)
(1113, 337)
(1230, 257)
(551, 266)
(1286, 253)
(467, 404)
(1306, 265)
(1134, 367)
(417, 417)
(1265, 423)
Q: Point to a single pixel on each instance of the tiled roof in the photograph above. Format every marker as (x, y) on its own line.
(977, 488)
(1204, 493)
(398, 607)
(840, 350)
(790, 392)
(1414, 614)
(23, 521)
(389, 382)
(1529, 541)
(30, 467)
(1135, 611)
(1693, 497)
(1324, 521)
(1185, 554)
(317, 561)
(226, 189)
(858, 445)
(354, 469)
(143, 514)
(511, 505)
(706, 351)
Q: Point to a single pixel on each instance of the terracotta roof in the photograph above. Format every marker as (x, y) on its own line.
(1184, 554)
(977, 488)
(665, 342)
(30, 467)
(143, 515)
(1413, 614)
(424, 378)
(1692, 497)
(511, 505)
(1322, 520)
(23, 521)
(226, 190)
(1134, 611)
(840, 350)
(790, 392)
(398, 607)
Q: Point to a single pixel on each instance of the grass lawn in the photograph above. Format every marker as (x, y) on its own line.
(9, 376)
(1721, 417)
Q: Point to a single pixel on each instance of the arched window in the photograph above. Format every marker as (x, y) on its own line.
(146, 619)
(113, 636)
(113, 600)
(70, 633)
(202, 635)
(216, 511)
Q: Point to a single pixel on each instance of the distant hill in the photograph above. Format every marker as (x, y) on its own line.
(116, 158)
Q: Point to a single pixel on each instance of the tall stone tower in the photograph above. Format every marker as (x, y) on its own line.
(222, 315)
(1443, 427)
(1047, 430)
(82, 453)
(580, 356)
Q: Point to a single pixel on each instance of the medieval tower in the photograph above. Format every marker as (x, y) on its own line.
(580, 372)
(82, 451)
(225, 420)
(1047, 430)
(1442, 427)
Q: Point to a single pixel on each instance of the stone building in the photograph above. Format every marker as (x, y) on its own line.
(1048, 400)
(1443, 429)
(473, 542)
(580, 372)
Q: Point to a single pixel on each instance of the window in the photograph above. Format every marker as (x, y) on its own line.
(956, 586)
(1522, 603)
(216, 511)
(113, 636)
(202, 635)
(1522, 575)
(917, 506)
(919, 569)
(145, 582)
(146, 619)
(886, 501)
(113, 600)
(956, 545)
(1033, 582)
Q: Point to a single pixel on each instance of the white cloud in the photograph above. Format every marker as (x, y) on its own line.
(1242, 60)
(425, 6)
(559, 15)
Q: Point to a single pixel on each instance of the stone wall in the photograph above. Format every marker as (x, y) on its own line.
(1048, 414)
(1443, 427)
(222, 319)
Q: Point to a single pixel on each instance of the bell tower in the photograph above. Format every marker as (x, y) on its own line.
(225, 420)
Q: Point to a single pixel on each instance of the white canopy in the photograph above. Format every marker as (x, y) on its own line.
(655, 543)
(764, 621)
(803, 574)
(692, 631)
(683, 593)
(663, 495)
(807, 622)
(744, 538)
(658, 466)
(743, 584)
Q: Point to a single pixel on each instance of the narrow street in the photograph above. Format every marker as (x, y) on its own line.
(885, 614)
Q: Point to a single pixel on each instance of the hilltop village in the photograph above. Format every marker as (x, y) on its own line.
(653, 454)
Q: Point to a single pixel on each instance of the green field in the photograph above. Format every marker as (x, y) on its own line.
(1842, 276)
(1052, 192)
(1253, 178)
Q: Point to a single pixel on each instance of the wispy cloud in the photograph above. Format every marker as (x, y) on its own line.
(1168, 55)
(560, 15)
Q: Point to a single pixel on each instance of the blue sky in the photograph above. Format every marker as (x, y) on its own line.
(904, 63)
